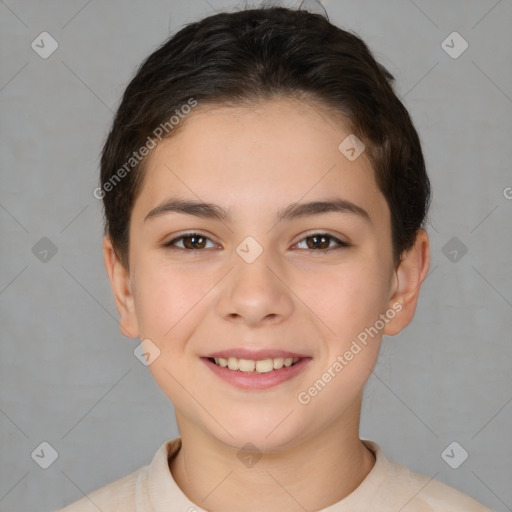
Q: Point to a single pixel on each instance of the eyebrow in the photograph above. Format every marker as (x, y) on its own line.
(292, 211)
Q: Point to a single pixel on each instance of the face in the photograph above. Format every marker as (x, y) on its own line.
(259, 276)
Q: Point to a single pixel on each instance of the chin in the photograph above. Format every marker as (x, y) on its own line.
(268, 434)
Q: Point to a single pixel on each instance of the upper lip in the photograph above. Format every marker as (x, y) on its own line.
(255, 355)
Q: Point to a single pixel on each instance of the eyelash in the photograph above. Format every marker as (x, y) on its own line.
(341, 244)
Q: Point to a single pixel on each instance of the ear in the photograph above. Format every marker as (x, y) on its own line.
(407, 280)
(120, 282)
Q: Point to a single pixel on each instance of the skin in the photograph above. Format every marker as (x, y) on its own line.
(255, 161)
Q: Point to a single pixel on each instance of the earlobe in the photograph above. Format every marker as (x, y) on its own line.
(407, 281)
(120, 283)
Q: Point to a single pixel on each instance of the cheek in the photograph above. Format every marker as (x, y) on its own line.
(347, 298)
(167, 300)
(169, 303)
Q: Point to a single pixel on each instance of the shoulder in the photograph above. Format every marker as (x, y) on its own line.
(118, 496)
(413, 492)
(431, 495)
(132, 492)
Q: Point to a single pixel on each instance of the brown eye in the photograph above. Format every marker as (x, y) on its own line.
(191, 241)
(322, 242)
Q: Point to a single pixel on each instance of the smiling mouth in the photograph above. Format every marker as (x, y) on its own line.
(253, 366)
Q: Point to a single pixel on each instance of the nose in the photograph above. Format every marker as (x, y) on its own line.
(255, 293)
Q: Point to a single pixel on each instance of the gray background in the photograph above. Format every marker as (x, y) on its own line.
(70, 378)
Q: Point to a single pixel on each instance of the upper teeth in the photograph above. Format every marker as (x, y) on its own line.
(249, 365)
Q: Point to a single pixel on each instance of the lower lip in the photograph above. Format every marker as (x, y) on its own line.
(257, 381)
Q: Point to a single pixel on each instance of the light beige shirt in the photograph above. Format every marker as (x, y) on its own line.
(387, 488)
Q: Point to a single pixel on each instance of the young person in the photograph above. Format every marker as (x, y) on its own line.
(265, 196)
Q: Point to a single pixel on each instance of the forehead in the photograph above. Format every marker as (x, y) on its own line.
(252, 159)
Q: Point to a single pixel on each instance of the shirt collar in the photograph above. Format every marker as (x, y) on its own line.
(160, 489)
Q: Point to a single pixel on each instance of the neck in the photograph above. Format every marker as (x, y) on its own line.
(314, 474)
